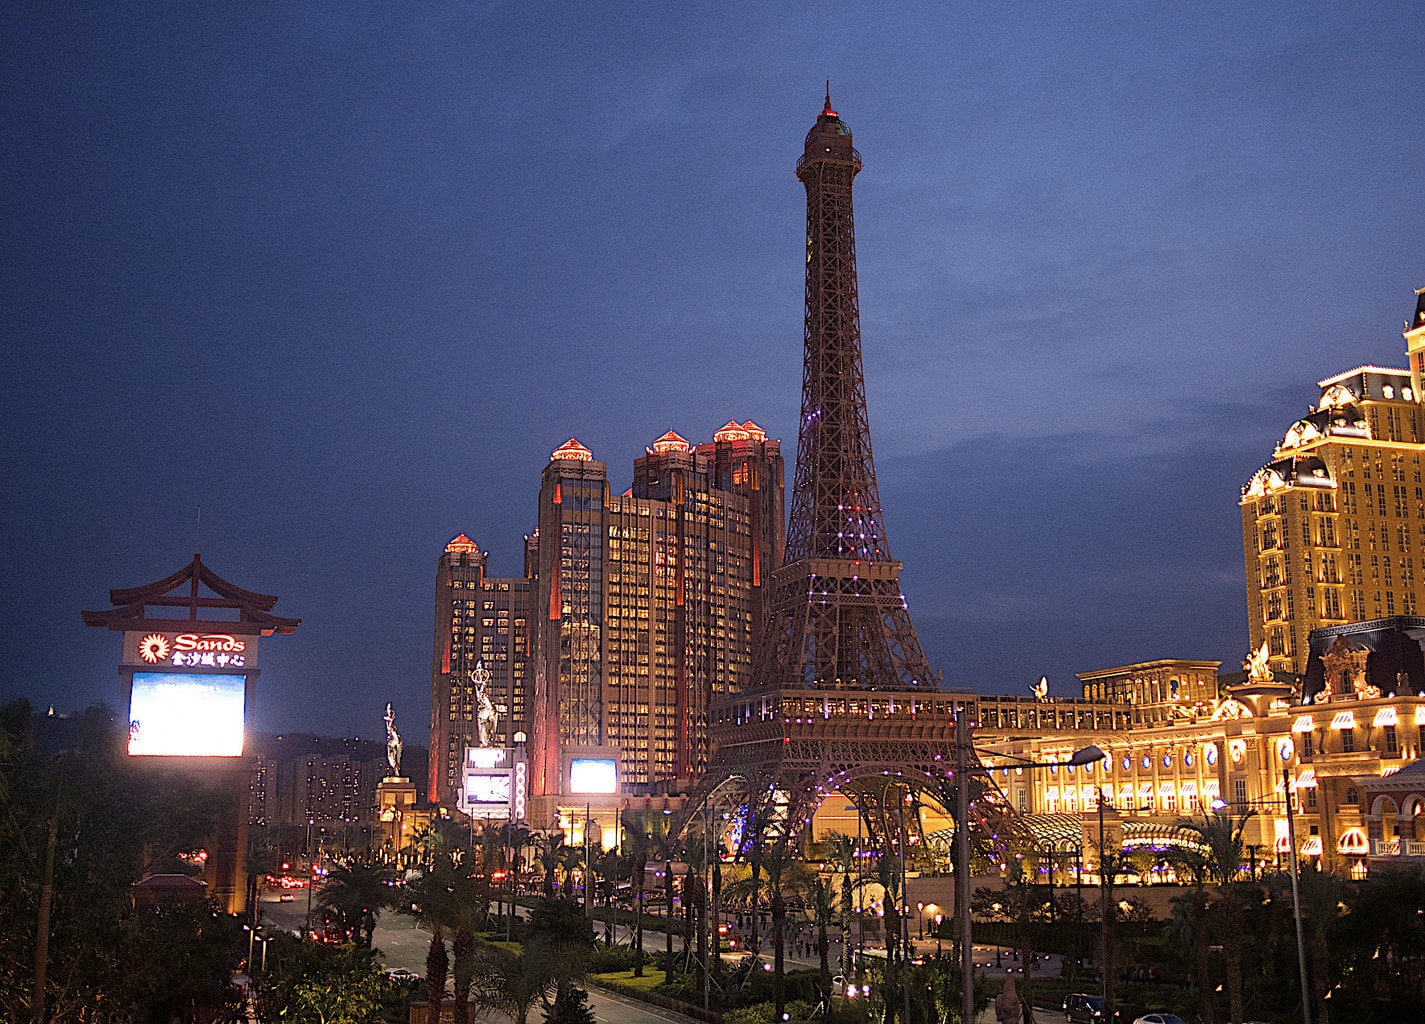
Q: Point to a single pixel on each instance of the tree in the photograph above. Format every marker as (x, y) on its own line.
(113, 819)
(356, 895)
(551, 851)
(511, 983)
(570, 1007)
(820, 901)
(433, 900)
(561, 934)
(311, 983)
(645, 835)
(470, 903)
(1223, 850)
(785, 878)
(844, 856)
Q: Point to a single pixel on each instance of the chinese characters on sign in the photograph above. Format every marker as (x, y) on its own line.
(191, 650)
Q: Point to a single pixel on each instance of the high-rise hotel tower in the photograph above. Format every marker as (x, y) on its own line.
(480, 622)
(647, 603)
(1333, 527)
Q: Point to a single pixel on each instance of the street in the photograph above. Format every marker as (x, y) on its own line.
(401, 942)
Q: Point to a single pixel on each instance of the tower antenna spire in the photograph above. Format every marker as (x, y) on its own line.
(827, 109)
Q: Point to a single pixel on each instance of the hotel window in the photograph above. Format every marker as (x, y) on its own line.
(1306, 739)
(1392, 745)
(1348, 741)
(1239, 793)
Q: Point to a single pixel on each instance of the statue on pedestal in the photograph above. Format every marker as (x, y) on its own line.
(393, 742)
(486, 717)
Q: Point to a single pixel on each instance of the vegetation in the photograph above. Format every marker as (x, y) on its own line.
(75, 831)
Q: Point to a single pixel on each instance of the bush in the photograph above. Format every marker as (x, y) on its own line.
(798, 1012)
(609, 959)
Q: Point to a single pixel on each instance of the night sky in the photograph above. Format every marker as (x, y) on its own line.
(343, 275)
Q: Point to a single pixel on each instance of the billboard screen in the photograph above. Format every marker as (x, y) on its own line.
(487, 789)
(179, 714)
(593, 775)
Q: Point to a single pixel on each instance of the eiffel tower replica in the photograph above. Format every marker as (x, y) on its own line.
(843, 699)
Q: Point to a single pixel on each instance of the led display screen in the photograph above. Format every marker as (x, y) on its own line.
(593, 775)
(183, 715)
(487, 789)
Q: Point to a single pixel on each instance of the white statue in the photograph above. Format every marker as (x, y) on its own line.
(1256, 665)
(1041, 688)
(393, 742)
(487, 717)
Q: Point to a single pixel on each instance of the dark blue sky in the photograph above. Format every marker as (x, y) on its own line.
(343, 275)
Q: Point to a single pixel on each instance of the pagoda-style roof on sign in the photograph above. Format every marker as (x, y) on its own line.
(254, 609)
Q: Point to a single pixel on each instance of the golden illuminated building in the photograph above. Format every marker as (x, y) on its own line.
(481, 622)
(1333, 528)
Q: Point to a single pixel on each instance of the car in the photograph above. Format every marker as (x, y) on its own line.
(1082, 1008)
(402, 976)
(1159, 1018)
(286, 897)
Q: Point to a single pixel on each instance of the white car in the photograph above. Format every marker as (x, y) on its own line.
(1159, 1018)
(402, 976)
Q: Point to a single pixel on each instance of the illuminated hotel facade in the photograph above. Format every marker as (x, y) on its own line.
(481, 623)
(1333, 528)
(646, 605)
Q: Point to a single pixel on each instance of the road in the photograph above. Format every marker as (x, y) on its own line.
(400, 942)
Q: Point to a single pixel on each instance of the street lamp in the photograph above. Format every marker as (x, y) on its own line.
(1086, 755)
(1220, 805)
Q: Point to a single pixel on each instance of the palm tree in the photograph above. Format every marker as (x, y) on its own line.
(433, 901)
(515, 838)
(644, 833)
(470, 903)
(785, 878)
(571, 859)
(843, 854)
(1224, 850)
(511, 983)
(819, 902)
(356, 895)
(550, 854)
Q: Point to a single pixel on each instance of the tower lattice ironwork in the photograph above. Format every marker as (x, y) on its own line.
(837, 615)
(843, 698)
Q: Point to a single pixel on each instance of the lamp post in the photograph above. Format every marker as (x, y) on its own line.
(1296, 898)
(938, 950)
(1220, 805)
(1086, 755)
